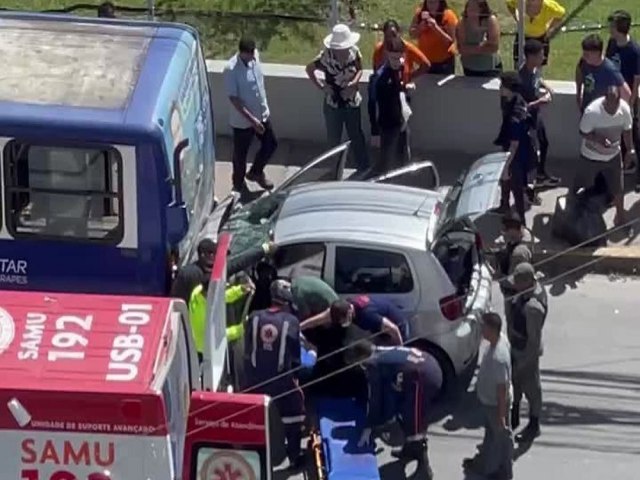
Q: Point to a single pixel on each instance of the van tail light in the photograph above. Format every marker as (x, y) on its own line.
(452, 307)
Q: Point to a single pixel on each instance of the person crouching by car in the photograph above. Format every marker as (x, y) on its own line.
(515, 138)
(403, 385)
(388, 109)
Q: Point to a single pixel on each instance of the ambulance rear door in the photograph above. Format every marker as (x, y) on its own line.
(228, 437)
(215, 362)
(178, 377)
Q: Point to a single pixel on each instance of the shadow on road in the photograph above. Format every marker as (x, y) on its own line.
(407, 471)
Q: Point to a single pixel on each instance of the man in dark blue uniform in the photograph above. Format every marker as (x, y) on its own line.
(373, 314)
(272, 351)
(403, 385)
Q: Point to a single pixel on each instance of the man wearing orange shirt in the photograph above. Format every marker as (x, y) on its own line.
(415, 62)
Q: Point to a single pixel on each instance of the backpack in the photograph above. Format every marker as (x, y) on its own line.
(578, 218)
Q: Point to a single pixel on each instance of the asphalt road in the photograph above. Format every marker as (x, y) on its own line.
(591, 386)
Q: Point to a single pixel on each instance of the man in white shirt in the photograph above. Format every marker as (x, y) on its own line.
(603, 123)
(249, 116)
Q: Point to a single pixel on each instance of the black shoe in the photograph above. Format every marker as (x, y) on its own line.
(532, 197)
(412, 451)
(261, 179)
(546, 180)
(473, 466)
(638, 186)
(530, 432)
(415, 451)
(515, 416)
(501, 210)
(241, 189)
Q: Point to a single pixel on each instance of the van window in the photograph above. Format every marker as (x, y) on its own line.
(231, 463)
(63, 192)
(362, 270)
(176, 393)
(190, 172)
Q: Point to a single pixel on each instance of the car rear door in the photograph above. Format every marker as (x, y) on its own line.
(422, 175)
(328, 167)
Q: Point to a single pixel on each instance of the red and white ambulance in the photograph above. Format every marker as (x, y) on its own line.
(109, 387)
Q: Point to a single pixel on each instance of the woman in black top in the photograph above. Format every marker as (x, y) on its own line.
(388, 110)
(515, 138)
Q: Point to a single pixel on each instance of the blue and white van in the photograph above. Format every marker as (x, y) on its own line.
(107, 153)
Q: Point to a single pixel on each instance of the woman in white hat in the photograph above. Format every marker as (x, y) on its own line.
(341, 63)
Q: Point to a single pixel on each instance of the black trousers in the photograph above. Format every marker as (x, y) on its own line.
(394, 149)
(516, 185)
(448, 67)
(635, 135)
(543, 144)
(484, 74)
(242, 138)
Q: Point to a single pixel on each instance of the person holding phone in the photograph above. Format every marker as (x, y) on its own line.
(434, 27)
(415, 62)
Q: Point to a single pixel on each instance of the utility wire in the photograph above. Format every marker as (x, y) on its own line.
(360, 362)
(625, 226)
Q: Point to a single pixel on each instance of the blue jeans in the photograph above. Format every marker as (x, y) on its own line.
(338, 119)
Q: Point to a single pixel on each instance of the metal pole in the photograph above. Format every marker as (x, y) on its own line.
(521, 16)
(334, 16)
(151, 9)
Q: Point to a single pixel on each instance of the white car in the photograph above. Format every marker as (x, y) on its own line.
(417, 247)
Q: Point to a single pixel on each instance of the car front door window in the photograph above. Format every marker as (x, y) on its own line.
(301, 259)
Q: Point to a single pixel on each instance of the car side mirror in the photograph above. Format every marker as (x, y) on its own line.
(177, 223)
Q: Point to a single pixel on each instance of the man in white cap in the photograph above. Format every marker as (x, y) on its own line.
(341, 63)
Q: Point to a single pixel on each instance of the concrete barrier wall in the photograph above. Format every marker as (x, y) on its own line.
(460, 113)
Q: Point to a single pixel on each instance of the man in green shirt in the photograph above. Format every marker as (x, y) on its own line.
(311, 296)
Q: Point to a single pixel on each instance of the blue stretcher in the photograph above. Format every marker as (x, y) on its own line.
(339, 428)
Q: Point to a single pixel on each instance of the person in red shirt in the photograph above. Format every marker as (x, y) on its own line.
(434, 27)
(415, 62)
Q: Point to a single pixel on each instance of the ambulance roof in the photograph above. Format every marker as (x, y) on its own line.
(81, 343)
(71, 72)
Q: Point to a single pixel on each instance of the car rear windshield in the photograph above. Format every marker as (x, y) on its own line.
(66, 193)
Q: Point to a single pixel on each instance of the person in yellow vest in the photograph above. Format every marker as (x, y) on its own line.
(198, 311)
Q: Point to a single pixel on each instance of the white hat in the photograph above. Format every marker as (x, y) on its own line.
(341, 38)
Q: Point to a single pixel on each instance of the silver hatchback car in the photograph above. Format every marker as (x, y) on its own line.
(397, 236)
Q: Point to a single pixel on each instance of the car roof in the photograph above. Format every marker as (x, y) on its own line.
(360, 212)
(29, 321)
